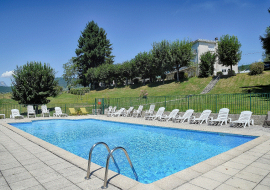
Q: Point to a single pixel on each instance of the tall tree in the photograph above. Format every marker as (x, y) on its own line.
(162, 58)
(33, 83)
(207, 64)
(144, 64)
(228, 51)
(181, 53)
(70, 72)
(93, 50)
(266, 40)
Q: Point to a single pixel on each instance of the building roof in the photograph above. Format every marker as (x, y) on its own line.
(203, 40)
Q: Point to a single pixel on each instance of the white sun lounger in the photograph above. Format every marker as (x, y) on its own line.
(158, 114)
(169, 117)
(186, 117)
(119, 112)
(45, 111)
(244, 119)
(111, 111)
(15, 114)
(58, 113)
(128, 112)
(150, 111)
(203, 118)
(30, 111)
(222, 117)
(138, 112)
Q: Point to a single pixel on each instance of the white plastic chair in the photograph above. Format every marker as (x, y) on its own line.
(138, 112)
(169, 117)
(128, 112)
(244, 119)
(158, 114)
(59, 113)
(187, 115)
(15, 114)
(204, 117)
(119, 112)
(30, 111)
(221, 118)
(110, 112)
(44, 111)
(150, 111)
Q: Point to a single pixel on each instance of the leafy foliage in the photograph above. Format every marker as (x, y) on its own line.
(144, 63)
(181, 53)
(94, 49)
(33, 83)
(207, 64)
(228, 51)
(256, 68)
(266, 39)
(70, 73)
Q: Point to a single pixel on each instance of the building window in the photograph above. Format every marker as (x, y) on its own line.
(224, 70)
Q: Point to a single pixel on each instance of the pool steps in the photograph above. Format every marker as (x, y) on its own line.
(105, 185)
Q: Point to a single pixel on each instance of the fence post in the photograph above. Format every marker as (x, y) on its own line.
(95, 106)
(188, 101)
(250, 100)
(216, 103)
(102, 105)
(165, 103)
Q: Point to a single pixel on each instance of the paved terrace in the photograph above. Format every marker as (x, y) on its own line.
(27, 162)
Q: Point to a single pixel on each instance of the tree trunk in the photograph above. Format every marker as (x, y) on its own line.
(177, 73)
(143, 81)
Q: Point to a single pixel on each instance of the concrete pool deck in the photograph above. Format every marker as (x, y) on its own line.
(27, 162)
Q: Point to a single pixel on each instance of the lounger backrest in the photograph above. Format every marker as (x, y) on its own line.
(188, 113)
(58, 110)
(160, 111)
(30, 108)
(174, 113)
(130, 109)
(223, 114)
(15, 112)
(121, 110)
(152, 108)
(205, 114)
(44, 108)
(114, 109)
(140, 108)
(110, 108)
(245, 116)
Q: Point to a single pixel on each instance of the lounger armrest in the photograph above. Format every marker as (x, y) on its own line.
(252, 121)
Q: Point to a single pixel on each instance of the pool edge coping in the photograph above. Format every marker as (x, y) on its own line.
(124, 182)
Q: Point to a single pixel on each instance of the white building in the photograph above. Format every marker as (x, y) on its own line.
(201, 46)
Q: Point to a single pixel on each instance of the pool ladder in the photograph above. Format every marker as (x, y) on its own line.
(105, 185)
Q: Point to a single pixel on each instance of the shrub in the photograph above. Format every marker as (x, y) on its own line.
(79, 91)
(136, 81)
(182, 75)
(219, 73)
(256, 68)
(231, 73)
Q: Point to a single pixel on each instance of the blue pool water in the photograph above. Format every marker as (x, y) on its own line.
(155, 152)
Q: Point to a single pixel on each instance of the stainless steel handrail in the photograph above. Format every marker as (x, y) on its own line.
(90, 156)
(105, 185)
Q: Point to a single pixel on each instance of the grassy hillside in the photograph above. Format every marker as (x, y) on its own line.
(170, 88)
(241, 83)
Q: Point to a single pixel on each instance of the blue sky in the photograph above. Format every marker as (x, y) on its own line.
(48, 31)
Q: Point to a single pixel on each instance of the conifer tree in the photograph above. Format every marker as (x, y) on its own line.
(93, 50)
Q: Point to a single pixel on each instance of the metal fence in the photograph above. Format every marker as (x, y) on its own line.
(6, 108)
(258, 103)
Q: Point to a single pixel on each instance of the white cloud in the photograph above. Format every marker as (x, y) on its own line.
(7, 74)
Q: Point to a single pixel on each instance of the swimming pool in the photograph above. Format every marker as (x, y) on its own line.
(155, 152)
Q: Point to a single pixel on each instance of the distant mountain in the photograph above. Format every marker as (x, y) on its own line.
(63, 83)
(2, 83)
